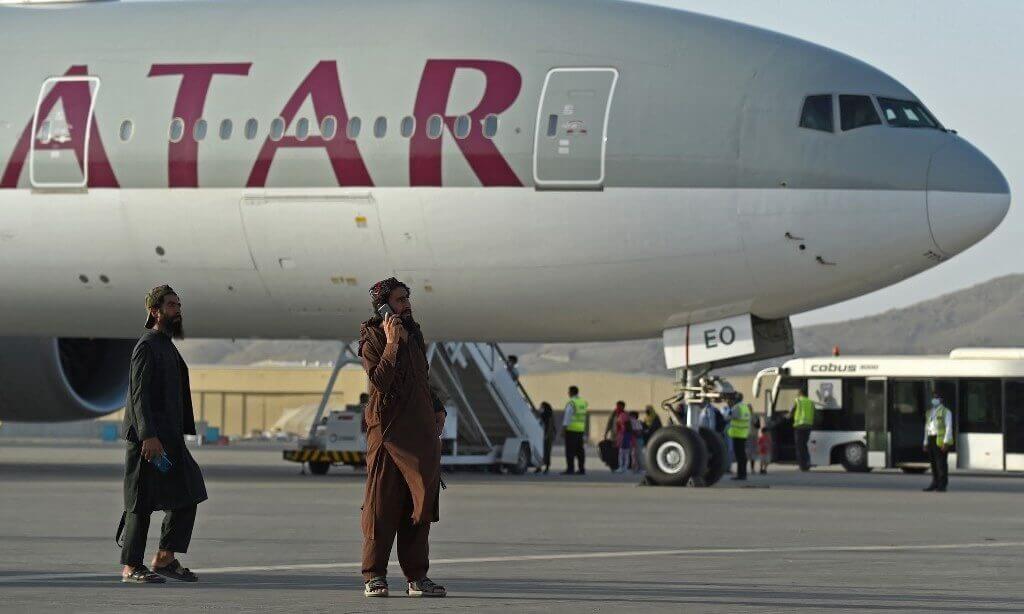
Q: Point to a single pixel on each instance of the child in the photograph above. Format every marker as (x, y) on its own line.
(764, 449)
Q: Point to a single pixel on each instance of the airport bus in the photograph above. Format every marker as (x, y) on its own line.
(871, 410)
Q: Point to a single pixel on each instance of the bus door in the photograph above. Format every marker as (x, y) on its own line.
(905, 421)
(1013, 425)
(875, 423)
(781, 424)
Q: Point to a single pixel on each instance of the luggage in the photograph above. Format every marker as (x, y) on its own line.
(609, 454)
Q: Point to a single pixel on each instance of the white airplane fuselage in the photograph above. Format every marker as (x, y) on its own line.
(677, 185)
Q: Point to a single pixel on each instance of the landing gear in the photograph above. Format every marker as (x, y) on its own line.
(675, 454)
(683, 453)
(718, 458)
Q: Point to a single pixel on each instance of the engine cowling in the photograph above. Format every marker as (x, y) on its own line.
(55, 380)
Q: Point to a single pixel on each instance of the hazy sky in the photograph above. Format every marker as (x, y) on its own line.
(965, 60)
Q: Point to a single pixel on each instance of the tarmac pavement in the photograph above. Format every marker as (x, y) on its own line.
(270, 539)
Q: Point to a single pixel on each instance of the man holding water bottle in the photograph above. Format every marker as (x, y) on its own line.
(160, 474)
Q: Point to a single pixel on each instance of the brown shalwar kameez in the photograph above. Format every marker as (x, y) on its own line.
(403, 460)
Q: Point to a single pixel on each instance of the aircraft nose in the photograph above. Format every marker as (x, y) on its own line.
(968, 196)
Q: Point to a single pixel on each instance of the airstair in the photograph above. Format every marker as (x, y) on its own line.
(490, 424)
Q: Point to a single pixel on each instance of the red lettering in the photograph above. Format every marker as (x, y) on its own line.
(183, 156)
(76, 98)
(503, 83)
(323, 87)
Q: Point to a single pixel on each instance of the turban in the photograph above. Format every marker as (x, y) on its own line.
(381, 290)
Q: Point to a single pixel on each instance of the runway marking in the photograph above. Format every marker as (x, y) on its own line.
(556, 557)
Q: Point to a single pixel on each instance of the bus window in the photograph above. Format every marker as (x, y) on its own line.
(840, 402)
(1014, 442)
(981, 406)
(789, 389)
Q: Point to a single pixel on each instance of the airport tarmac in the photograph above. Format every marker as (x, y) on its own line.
(270, 539)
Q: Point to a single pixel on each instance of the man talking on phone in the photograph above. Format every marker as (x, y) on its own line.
(403, 459)
(160, 474)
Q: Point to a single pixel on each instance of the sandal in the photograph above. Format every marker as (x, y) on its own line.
(376, 587)
(142, 575)
(175, 571)
(425, 588)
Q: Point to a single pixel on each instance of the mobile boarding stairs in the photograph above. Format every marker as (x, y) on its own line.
(490, 424)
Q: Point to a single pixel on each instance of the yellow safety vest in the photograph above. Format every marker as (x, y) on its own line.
(739, 426)
(803, 412)
(937, 423)
(578, 424)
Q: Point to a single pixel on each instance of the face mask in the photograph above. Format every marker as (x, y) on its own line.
(936, 402)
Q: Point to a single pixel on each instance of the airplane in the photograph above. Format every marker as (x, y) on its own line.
(537, 171)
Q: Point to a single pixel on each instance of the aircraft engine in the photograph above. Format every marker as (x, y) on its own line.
(54, 380)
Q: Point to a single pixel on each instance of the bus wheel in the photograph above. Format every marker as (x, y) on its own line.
(718, 458)
(855, 458)
(674, 455)
(318, 468)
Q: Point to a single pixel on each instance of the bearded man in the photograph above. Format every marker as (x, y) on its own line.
(160, 474)
(403, 461)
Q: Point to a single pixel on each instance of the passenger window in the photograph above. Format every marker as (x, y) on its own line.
(462, 125)
(817, 113)
(199, 130)
(328, 127)
(380, 127)
(252, 127)
(408, 126)
(490, 126)
(277, 129)
(45, 134)
(552, 125)
(354, 126)
(857, 112)
(226, 128)
(434, 126)
(177, 129)
(127, 129)
(302, 129)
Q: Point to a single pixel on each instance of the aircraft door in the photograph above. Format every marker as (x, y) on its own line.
(874, 424)
(572, 124)
(62, 128)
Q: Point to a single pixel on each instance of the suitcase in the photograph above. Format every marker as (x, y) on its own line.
(609, 454)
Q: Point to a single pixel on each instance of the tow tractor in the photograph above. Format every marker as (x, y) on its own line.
(490, 424)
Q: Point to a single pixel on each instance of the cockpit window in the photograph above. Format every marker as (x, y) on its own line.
(857, 112)
(817, 113)
(907, 114)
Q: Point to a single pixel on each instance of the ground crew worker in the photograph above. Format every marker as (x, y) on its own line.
(160, 474)
(403, 457)
(574, 422)
(739, 431)
(938, 439)
(802, 414)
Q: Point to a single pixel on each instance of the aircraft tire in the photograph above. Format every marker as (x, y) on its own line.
(319, 468)
(718, 458)
(674, 455)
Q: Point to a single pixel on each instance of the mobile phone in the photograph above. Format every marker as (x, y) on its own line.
(385, 311)
(162, 463)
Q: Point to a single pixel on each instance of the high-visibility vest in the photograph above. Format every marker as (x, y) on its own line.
(578, 424)
(739, 426)
(937, 423)
(803, 412)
